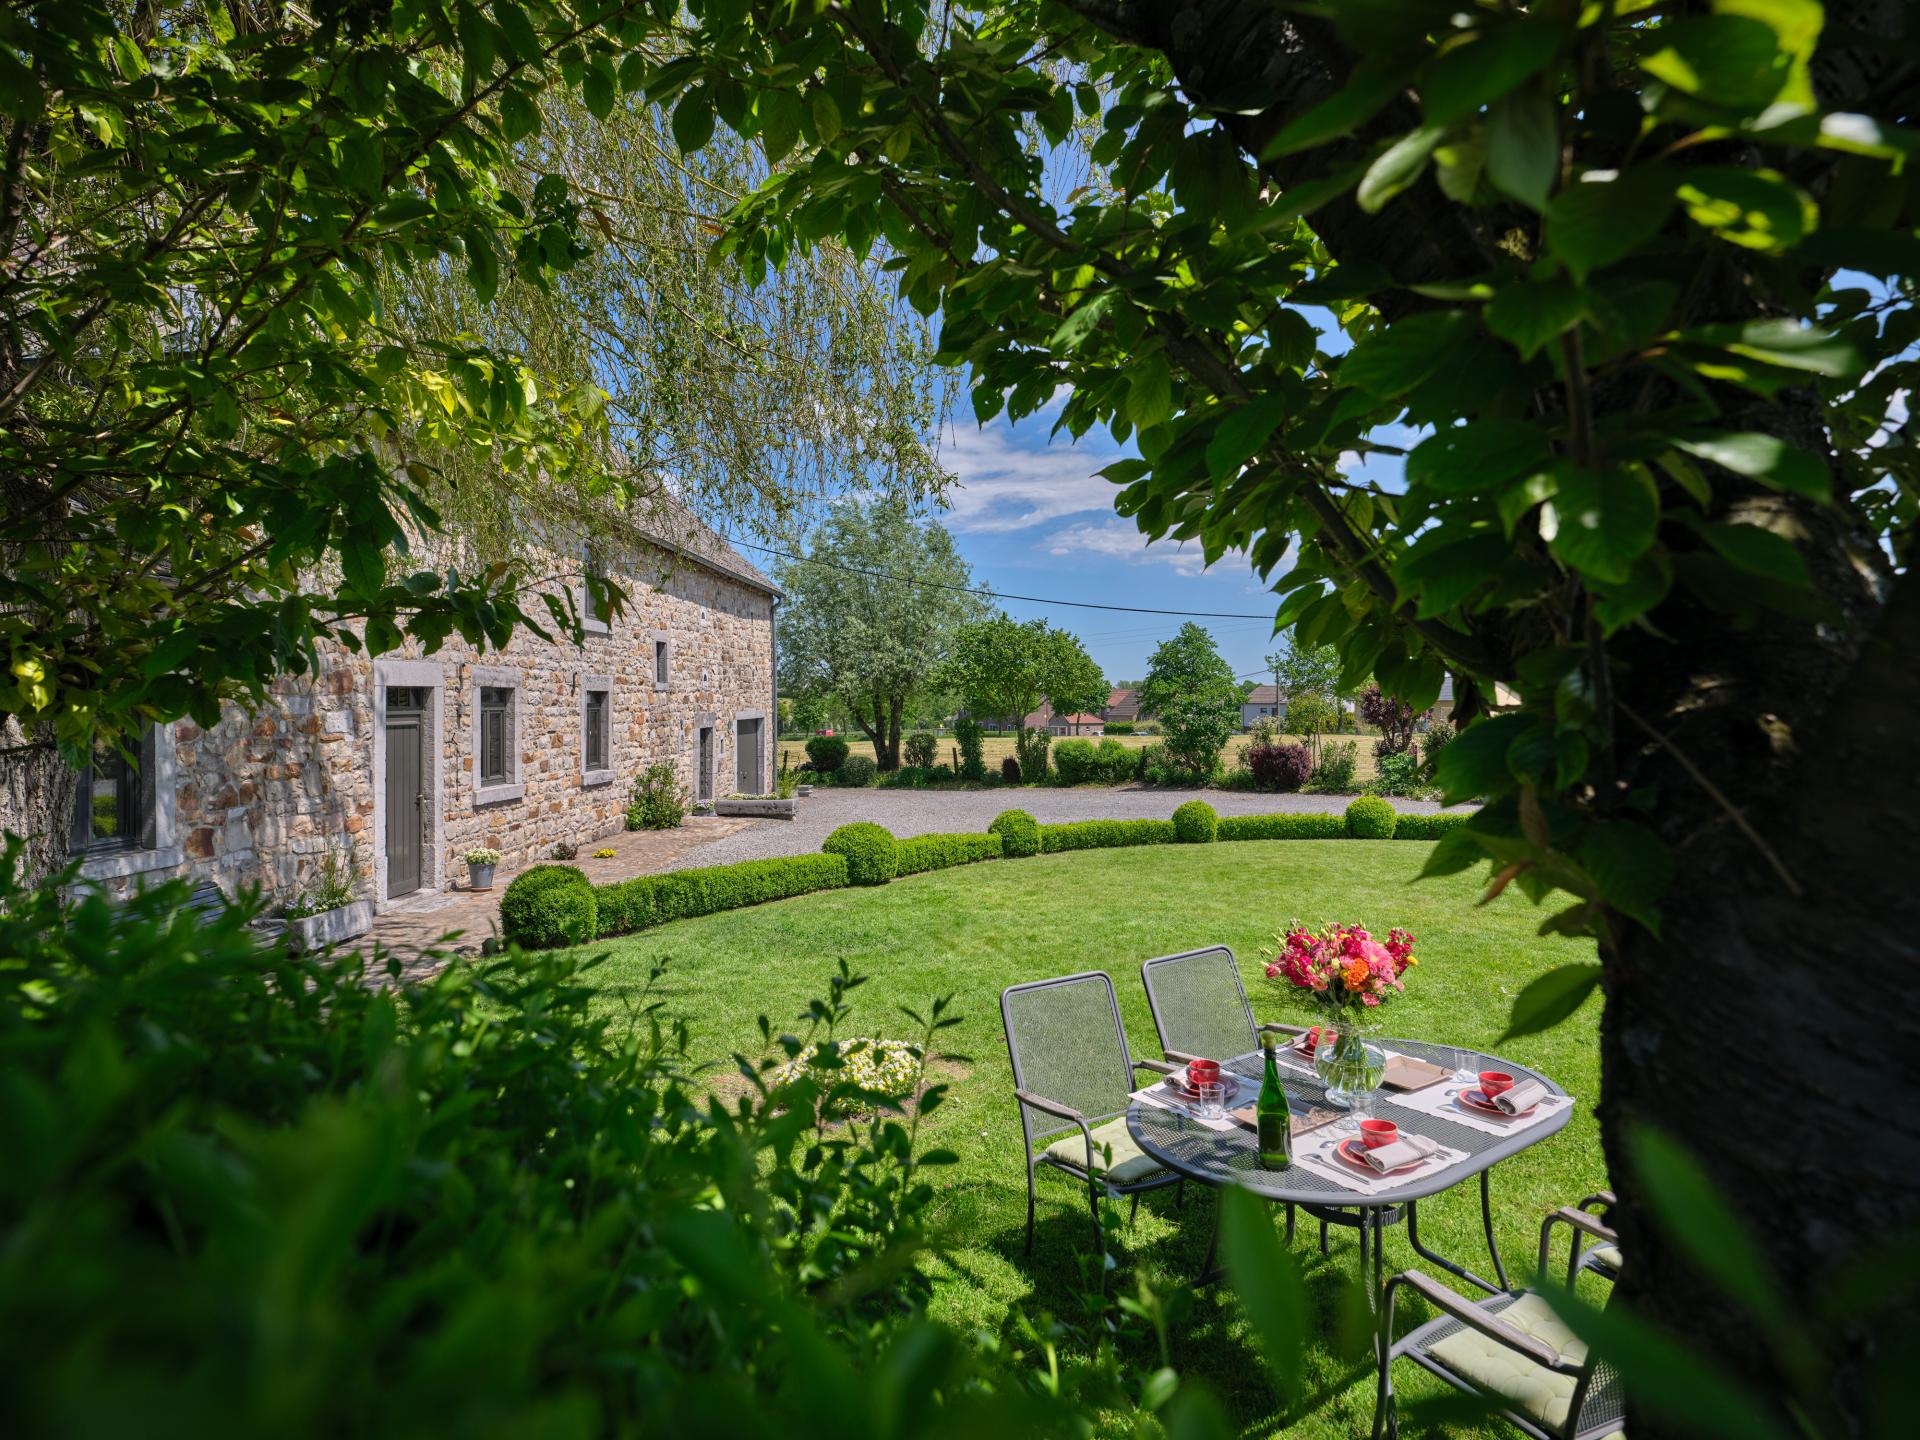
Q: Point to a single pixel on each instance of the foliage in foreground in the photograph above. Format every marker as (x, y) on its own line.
(249, 1194)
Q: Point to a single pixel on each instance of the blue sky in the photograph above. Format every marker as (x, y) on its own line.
(1033, 516)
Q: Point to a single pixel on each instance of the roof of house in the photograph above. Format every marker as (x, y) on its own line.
(672, 526)
(1081, 719)
(1263, 695)
(1122, 695)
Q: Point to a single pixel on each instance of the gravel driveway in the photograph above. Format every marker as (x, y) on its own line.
(920, 812)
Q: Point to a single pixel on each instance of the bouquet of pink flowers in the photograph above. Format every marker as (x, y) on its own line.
(1343, 966)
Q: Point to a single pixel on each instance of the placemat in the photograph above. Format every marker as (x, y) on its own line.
(1439, 1100)
(1317, 1156)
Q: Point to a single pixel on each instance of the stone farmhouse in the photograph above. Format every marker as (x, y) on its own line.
(393, 767)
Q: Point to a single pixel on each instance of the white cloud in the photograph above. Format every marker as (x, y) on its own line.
(1003, 487)
(1119, 539)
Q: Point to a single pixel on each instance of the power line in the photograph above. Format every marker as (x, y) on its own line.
(998, 594)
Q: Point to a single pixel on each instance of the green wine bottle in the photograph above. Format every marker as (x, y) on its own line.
(1272, 1122)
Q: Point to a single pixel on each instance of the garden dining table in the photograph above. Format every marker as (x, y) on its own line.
(1205, 1152)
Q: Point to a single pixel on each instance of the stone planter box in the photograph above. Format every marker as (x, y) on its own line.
(762, 809)
(330, 927)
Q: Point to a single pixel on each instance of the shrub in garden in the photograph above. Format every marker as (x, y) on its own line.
(1033, 755)
(1119, 727)
(907, 777)
(548, 905)
(648, 900)
(1113, 763)
(856, 770)
(941, 775)
(920, 748)
(1426, 827)
(1338, 761)
(1074, 761)
(451, 1177)
(966, 734)
(1282, 827)
(1371, 818)
(1195, 823)
(1019, 833)
(826, 753)
(1154, 766)
(1104, 834)
(938, 852)
(873, 855)
(1439, 735)
(1279, 764)
(658, 800)
(1010, 771)
(1393, 718)
(1397, 774)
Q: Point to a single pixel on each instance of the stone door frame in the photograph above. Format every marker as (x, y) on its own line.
(432, 677)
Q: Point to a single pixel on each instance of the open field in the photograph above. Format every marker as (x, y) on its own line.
(974, 930)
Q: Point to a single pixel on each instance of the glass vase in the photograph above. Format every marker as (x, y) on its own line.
(1353, 1065)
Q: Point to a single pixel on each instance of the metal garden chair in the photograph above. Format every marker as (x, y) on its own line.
(1511, 1348)
(1072, 1074)
(1602, 1256)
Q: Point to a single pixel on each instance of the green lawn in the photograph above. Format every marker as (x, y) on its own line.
(973, 930)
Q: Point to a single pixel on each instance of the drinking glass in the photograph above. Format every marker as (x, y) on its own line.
(1213, 1100)
(1466, 1063)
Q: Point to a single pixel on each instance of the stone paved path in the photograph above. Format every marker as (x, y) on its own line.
(423, 922)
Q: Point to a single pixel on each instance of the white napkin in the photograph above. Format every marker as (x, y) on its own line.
(1523, 1096)
(1403, 1151)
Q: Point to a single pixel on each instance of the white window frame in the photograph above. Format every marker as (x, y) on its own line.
(165, 853)
(514, 788)
(588, 685)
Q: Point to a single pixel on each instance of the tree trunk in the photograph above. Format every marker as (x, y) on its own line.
(37, 793)
(896, 708)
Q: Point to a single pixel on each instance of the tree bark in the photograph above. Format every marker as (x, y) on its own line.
(1770, 1027)
(37, 792)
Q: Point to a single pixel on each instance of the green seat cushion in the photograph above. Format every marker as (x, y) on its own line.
(1129, 1165)
(1529, 1389)
(1608, 1255)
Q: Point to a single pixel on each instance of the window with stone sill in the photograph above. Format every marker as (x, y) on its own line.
(114, 807)
(595, 609)
(597, 741)
(496, 735)
(662, 663)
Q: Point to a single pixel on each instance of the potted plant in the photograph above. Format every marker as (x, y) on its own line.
(326, 912)
(480, 864)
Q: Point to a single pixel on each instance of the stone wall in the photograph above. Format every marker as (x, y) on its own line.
(263, 798)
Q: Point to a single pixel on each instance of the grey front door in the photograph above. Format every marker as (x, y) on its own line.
(704, 771)
(406, 790)
(747, 743)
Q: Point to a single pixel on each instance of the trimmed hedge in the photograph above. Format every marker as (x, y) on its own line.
(1287, 826)
(1371, 818)
(856, 770)
(1079, 762)
(826, 753)
(1104, 834)
(548, 905)
(873, 855)
(1195, 823)
(649, 900)
(938, 852)
(1426, 827)
(1019, 833)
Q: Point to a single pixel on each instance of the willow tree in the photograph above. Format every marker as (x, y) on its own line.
(1644, 274)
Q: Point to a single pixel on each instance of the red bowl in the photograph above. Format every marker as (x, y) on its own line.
(1202, 1072)
(1495, 1082)
(1376, 1133)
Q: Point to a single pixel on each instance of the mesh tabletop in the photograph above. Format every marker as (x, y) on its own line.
(1221, 1157)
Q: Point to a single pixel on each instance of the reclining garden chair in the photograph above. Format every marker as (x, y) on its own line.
(1512, 1349)
(1072, 1074)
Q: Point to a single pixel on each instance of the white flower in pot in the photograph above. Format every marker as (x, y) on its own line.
(480, 863)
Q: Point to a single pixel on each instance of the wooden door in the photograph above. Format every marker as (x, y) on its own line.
(704, 769)
(747, 744)
(406, 796)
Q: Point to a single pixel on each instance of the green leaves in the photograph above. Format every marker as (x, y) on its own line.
(1550, 999)
(1266, 1278)
(1755, 209)
(1631, 867)
(1532, 316)
(1602, 219)
(1523, 147)
(1600, 521)
(1484, 66)
(1375, 81)
(1242, 433)
(1476, 458)
(1391, 362)
(693, 119)
(1765, 458)
(1397, 168)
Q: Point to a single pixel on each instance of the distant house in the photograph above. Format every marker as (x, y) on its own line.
(1263, 702)
(1077, 725)
(1122, 707)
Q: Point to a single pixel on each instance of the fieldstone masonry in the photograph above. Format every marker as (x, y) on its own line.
(263, 798)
